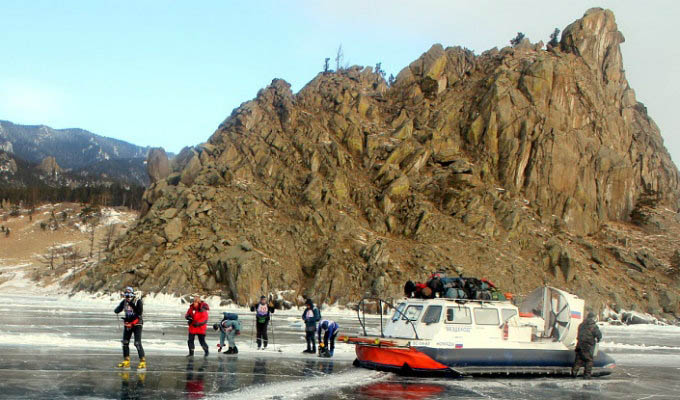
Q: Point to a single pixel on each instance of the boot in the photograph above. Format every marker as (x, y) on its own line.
(125, 363)
(205, 350)
(235, 350)
(142, 364)
(230, 351)
(191, 353)
(219, 348)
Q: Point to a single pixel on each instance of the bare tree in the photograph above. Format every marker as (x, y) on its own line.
(379, 70)
(107, 240)
(339, 59)
(91, 216)
(74, 256)
(49, 258)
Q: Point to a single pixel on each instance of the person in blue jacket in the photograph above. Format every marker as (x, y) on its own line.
(330, 329)
(229, 328)
(311, 316)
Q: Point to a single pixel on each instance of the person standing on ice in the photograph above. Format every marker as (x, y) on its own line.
(197, 317)
(132, 320)
(588, 335)
(229, 328)
(330, 329)
(311, 316)
(263, 312)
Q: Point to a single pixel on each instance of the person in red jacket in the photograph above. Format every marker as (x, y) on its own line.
(197, 317)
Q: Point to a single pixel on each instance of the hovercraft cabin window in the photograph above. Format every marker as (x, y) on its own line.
(486, 316)
(413, 312)
(398, 312)
(508, 313)
(458, 315)
(432, 315)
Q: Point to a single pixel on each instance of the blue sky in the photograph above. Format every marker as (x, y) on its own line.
(166, 73)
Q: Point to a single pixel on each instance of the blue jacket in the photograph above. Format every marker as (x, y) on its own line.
(331, 327)
(310, 321)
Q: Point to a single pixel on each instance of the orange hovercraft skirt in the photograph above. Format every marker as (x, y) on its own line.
(393, 358)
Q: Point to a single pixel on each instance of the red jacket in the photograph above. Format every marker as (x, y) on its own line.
(199, 318)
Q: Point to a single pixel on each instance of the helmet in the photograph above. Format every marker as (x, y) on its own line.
(129, 292)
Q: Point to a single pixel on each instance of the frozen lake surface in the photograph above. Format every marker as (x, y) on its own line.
(55, 347)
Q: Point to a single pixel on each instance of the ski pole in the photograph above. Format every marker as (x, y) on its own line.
(271, 320)
(252, 333)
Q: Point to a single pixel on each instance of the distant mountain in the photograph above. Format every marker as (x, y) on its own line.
(77, 150)
(126, 170)
(18, 173)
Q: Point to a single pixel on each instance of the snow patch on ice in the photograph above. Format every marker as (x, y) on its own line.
(625, 346)
(304, 388)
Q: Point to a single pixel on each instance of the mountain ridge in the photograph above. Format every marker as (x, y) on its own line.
(522, 164)
(76, 150)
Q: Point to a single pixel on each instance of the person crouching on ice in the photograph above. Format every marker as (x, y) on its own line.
(133, 325)
(262, 316)
(197, 317)
(229, 328)
(311, 316)
(330, 329)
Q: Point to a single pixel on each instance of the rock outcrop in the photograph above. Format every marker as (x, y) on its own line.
(49, 166)
(516, 164)
(157, 164)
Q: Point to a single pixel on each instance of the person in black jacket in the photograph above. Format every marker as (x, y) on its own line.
(132, 320)
(263, 313)
(588, 335)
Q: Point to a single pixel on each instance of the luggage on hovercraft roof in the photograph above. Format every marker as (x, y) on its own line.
(455, 293)
(497, 296)
(417, 290)
(435, 284)
(453, 283)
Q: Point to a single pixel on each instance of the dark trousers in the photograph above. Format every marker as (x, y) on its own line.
(262, 337)
(201, 340)
(127, 334)
(309, 336)
(584, 358)
(326, 339)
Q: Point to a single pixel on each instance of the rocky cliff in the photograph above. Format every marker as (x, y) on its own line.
(523, 165)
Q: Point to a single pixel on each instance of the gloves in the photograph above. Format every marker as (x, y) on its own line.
(216, 326)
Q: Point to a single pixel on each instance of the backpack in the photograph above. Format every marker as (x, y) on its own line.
(497, 296)
(455, 293)
(436, 284)
(231, 316)
(484, 295)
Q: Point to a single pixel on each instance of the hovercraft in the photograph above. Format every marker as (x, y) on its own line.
(460, 337)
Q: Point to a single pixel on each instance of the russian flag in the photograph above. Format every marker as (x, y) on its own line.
(576, 314)
(459, 345)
